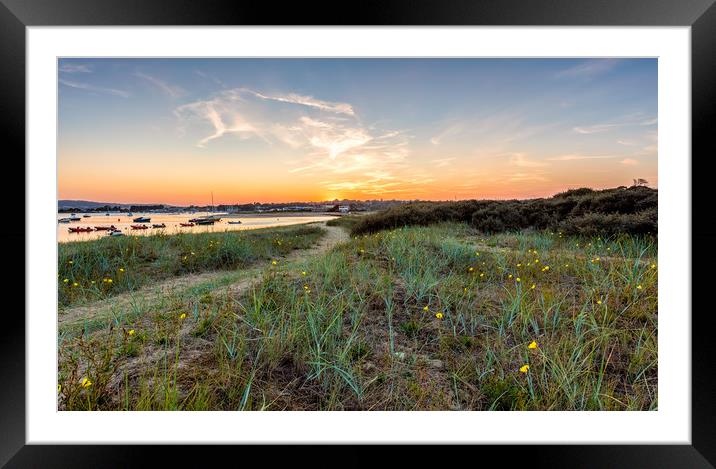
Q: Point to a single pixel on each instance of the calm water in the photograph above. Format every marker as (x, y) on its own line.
(123, 222)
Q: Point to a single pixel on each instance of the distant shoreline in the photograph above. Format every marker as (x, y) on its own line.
(281, 214)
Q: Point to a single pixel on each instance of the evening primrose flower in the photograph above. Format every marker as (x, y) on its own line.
(66, 280)
(638, 287)
(470, 269)
(121, 269)
(509, 276)
(599, 302)
(482, 274)
(75, 284)
(524, 368)
(303, 273)
(274, 262)
(545, 268)
(439, 315)
(86, 382)
(71, 262)
(425, 308)
(59, 388)
(519, 265)
(518, 279)
(533, 286)
(131, 332)
(653, 266)
(182, 316)
(532, 345)
(109, 280)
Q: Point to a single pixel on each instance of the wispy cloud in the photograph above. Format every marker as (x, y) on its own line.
(629, 162)
(588, 68)
(536, 176)
(210, 77)
(520, 159)
(75, 68)
(326, 137)
(92, 88)
(443, 162)
(626, 121)
(310, 101)
(170, 90)
(575, 157)
(448, 132)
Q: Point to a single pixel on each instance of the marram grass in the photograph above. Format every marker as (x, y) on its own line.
(423, 318)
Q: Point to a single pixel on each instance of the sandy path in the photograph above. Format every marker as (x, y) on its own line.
(153, 293)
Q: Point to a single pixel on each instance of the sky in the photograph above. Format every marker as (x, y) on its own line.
(175, 131)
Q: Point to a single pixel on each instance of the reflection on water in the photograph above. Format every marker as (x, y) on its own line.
(123, 222)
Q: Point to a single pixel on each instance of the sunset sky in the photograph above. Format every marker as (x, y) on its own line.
(175, 130)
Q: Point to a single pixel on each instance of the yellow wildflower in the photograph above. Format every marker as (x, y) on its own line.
(425, 308)
(532, 344)
(109, 280)
(59, 388)
(482, 274)
(638, 287)
(509, 276)
(131, 332)
(653, 266)
(182, 316)
(71, 262)
(66, 280)
(519, 265)
(533, 286)
(121, 269)
(524, 368)
(599, 302)
(303, 273)
(274, 262)
(75, 284)
(470, 269)
(518, 279)
(439, 315)
(86, 382)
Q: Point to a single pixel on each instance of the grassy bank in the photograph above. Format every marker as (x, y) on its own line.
(97, 269)
(583, 212)
(420, 318)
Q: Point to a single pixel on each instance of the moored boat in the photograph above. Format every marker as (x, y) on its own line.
(80, 229)
(115, 233)
(159, 225)
(105, 228)
(63, 220)
(142, 220)
(73, 218)
(238, 222)
(186, 224)
(139, 227)
(85, 216)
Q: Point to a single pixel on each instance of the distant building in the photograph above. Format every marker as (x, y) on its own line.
(344, 209)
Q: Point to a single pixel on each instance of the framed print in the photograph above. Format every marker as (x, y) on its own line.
(427, 224)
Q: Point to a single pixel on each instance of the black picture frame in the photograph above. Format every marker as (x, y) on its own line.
(700, 15)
